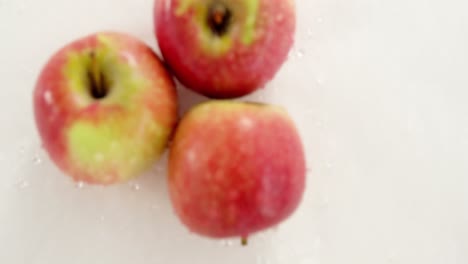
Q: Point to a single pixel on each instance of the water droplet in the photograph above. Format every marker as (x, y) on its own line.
(300, 53)
(135, 186)
(48, 98)
(21, 8)
(279, 17)
(227, 243)
(22, 184)
(231, 57)
(37, 160)
(291, 53)
(328, 164)
(22, 149)
(102, 218)
(115, 145)
(246, 123)
(324, 203)
(319, 20)
(317, 242)
(80, 185)
(99, 157)
(310, 33)
(319, 81)
(262, 260)
(391, 257)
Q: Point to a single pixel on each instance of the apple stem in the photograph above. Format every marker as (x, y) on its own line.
(219, 18)
(98, 89)
(244, 240)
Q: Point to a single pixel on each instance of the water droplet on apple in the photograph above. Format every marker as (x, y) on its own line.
(115, 145)
(231, 57)
(130, 59)
(279, 17)
(191, 156)
(246, 123)
(48, 98)
(99, 157)
(320, 20)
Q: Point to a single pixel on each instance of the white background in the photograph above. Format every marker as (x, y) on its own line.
(378, 89)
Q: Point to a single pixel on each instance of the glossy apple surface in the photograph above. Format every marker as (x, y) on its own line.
(105, 107)
(225, 48)
(235, 168)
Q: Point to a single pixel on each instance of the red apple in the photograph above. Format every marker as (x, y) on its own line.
(225, 48)
(235, 168)
(105, 107)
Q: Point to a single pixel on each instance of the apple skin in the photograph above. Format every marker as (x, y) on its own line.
(244, 59)
(114, 138)
(235, 168)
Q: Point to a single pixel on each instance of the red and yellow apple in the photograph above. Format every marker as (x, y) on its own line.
(235, 168)
(224, 48)
(105, 107)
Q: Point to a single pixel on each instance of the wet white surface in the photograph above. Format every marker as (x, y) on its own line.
(378, 90)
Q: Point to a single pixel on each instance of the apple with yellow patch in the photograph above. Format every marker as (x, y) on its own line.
(235, 168)
(105, 107)
(225, 48)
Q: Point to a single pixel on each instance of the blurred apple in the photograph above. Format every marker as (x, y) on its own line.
(105, 107)
(235, 168)
(225, 48)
